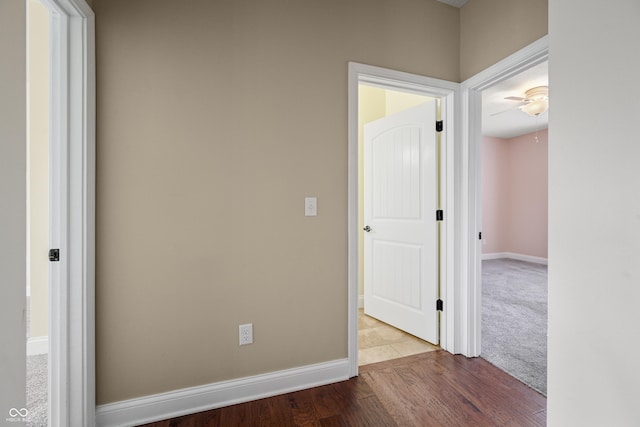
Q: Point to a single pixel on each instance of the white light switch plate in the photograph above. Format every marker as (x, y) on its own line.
(310, 206)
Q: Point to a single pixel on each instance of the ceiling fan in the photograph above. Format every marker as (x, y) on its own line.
(534, 103)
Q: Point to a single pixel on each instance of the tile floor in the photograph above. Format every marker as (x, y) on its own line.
(378, 341)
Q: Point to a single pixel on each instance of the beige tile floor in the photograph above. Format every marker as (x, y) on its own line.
(378, 341)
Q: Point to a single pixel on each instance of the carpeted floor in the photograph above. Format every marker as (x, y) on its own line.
(37, 393)
(37, 383)
(514, 319)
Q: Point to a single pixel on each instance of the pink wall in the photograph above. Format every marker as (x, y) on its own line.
(514, 195)
(495, 190)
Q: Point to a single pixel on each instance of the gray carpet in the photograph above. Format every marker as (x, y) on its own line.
(37, 393)
(37, 383)
(514, 319)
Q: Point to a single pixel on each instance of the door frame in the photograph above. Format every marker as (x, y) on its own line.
(72, 214)
(448, 92)
(471, 203)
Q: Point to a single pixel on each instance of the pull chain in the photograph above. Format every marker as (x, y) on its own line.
(537, 128)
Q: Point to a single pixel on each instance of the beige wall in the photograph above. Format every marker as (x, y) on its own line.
(206, 149)
(491, 30)
(38, 165)
(13, 228)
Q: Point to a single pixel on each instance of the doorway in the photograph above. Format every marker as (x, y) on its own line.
(398, 236)
(514, 226)
(418, 88)
(470, 209)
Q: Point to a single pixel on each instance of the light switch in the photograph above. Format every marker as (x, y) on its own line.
(310, 206)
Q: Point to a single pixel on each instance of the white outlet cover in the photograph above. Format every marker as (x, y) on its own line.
(246, 333)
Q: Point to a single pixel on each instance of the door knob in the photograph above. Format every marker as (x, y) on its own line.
(367, 229)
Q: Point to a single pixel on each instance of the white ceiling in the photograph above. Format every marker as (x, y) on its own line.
(511, 121)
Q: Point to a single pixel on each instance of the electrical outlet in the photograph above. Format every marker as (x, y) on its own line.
(246, 334)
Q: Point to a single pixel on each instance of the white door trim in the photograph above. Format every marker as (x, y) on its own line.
(470, 285)
(72, 166)
(448, 93)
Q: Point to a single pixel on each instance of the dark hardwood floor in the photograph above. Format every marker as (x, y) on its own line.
(429, 389)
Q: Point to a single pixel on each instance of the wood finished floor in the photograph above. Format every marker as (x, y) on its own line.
(429, 389)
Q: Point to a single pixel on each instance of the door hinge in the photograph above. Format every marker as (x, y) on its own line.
(439, 125)
(480, 235)
(54, 255)
(439, 215)
(439, 304)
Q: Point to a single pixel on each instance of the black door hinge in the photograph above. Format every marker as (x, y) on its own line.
(439, 215)
(439, 125)
(439, 304)
(480, 235)
(54, 255)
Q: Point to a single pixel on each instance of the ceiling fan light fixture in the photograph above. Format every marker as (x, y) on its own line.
(536, 107)
(537, 101)
(538, 92)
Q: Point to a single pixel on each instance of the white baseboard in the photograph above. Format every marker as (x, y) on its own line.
(37, 345)
(512, 255)
(211, 396)
(361, 301)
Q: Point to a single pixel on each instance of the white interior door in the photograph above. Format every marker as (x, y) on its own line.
(400, 202)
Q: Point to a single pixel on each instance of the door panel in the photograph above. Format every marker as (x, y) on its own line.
(400, 203)
(396, 266)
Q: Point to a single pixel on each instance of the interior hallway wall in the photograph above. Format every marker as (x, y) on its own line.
(594, 214)
(13, 214)
(214, 122)
(491, 30)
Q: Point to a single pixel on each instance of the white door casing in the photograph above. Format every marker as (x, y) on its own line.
(469, 286)
(447, 92)
(400, 201)
(72, 181)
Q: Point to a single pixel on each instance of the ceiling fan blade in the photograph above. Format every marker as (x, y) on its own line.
(504, 111)
(515, 98)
